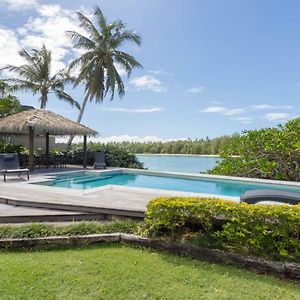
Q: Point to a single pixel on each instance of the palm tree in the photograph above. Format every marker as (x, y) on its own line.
(9, 104)
(35, 75)
(98, 65)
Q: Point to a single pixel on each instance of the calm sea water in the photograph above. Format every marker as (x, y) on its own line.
(178, 163)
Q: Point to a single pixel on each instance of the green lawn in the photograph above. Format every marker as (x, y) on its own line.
(114, 271)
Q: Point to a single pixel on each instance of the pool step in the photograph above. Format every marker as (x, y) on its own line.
(81, 179)
(90, 180)
(58, 179)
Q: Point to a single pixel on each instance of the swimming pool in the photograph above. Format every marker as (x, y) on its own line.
(88, 180)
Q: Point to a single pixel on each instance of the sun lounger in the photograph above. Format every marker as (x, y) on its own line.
(280, 196)
(99, 160)
(9, 163)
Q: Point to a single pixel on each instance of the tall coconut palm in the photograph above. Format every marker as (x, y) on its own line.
(103, 55)
(35, 75)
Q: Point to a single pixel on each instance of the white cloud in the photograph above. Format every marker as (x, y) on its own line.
(160, 72)
(119, 138)
(215, 102)
(195, 90)
(213, 109)
(148, 82)
(234, 111)
(48, 27)
(243, 120)
(222, 110)
(127, 138)
(9, 48)
(272, 116)
(133, 110)
(20, 4)
(276, 116)
(268, 106)
(50, 10)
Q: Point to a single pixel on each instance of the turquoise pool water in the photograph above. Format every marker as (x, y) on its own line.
(207, 186)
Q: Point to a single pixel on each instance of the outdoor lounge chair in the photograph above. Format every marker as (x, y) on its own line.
(9, 163)
(255, 196)
(99, 160)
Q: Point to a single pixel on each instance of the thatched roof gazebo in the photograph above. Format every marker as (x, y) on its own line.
(40, 122)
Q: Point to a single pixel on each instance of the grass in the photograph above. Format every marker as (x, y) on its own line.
(114, 271)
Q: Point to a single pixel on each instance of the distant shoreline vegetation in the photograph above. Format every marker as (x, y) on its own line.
(192, 147)
(167, 154)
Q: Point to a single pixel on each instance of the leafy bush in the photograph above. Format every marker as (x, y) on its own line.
(35, 230)
(114, 156)
(269, 231)
(272, 153)
(9, 104)
(7, 147)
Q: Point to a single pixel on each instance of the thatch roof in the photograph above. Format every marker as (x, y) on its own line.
(42, 121)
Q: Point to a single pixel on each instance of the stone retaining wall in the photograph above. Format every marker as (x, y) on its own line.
(282, 269)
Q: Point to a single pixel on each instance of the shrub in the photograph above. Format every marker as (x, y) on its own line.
(35, 230)
(7, 147)
(269, 231)
(272, 153)
(114, 156)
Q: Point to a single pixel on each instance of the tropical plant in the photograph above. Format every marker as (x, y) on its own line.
(272, 153)
(114, 156)
(35, 75)
(267, 231)
(9, 104)
(98, 65)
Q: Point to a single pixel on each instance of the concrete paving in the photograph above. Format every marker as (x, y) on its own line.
(7, 210)
(17, 191)
(110, 200)
(23, 214)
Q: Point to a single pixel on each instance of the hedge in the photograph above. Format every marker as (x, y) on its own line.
(268, 231)
(114, 156)
(36, 230)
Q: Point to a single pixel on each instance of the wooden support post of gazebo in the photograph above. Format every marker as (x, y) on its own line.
(31, 149)
(47, 149)
(84, 151)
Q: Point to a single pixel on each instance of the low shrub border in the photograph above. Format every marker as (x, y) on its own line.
(42, 230)
(268, 231)
(287, 270)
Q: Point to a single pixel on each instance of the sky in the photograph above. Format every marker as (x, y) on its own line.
(210, 67)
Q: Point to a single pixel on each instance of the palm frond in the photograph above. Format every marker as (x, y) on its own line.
(61, 95)
(26, 55)
(126, 36)
(80, 41)
(89, 27)
(101, 20)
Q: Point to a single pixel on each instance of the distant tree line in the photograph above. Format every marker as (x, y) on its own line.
(198, 146)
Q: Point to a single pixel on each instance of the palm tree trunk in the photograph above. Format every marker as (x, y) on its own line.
(44, 100)
(85, 100)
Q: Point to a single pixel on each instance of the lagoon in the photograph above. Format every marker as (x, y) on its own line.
(178, 163)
